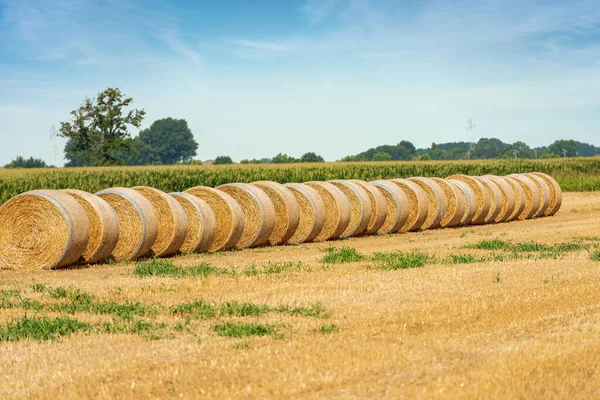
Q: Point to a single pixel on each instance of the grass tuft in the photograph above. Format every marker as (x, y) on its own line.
(494, 244)
(463, 259)
(341, 255)
(40, 328)
(399, 260)
(595, 256)
(241, 329)
(156, 267)
(327, 329)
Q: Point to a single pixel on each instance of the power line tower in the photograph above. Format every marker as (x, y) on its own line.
(54, 138)
(470, 127)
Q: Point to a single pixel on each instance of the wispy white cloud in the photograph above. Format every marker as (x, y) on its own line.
(179, 47)
(262, 45)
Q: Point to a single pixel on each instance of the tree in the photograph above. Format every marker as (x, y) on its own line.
(489, 148)
(283, 159)
(98, 133)
(170, 140)
(558, 146)
(221, 160)
(381, 156)
(311, 157)
(21, 162)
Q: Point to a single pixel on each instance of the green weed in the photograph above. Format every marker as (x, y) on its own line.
(341, 255)
(241, 329)
(40, 328)
(399, 260)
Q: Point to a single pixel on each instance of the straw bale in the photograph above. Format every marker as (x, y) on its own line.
(228, 215)
(287, 211)
(533, 196)
(42, 229)
(312, 213)
(544, 190)
(496, 199)
(202, 225)
(104, 226)
(455, 210)
(398, 207)
(138, 223)
(438, 203)
(378, 205)
(483, 197)
(259, 213)
(520, 198)
(418, 204)
(508, 195)
(470, 200)
(360, 207)
(337, 210)
(555, 193)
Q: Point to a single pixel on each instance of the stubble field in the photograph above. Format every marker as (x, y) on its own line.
(499, 311)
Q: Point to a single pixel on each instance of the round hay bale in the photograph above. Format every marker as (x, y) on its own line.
(470, 199)
(519, 198)
(378, 206)
(483, 198)
(138, 223)
(202, 225)
(312, 213)
(398, 207)
(455, 210)
(287, 211)
(228, 215)
(544, 190)
(508, 195)
(496, 199)
(172, 221)
(259, 213)
(418, 204)
(360, 207)
(104, 226)
(438, 203)
(337, 210)
(42, 229)
(533, 197)
(555, 193)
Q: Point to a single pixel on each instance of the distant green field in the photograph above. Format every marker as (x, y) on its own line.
(574, 174)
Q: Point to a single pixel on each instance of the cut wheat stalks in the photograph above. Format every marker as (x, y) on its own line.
(398, 207)
(508, 195)
(42, 229)
(496, 199)
(470, 199)
(360, 207)
(138, 223)
(520, 198)
(337, 210)
(544, 190)
(438, 203)
(456, 207)
(418, 202)
(312, 213)
(202, 225)
(533, 197)
(104, 226)
(378, 205)
(483, 198)
(287, 211)
(228, 215)
(259, 213)
(555, 193)
(172, 221)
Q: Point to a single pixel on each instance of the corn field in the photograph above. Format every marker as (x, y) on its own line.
(574, 175)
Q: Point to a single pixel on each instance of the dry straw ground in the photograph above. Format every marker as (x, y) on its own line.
(517, 325)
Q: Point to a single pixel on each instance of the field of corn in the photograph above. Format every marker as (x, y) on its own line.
(574, 175)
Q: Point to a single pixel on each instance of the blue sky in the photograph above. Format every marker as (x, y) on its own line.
(255, 78)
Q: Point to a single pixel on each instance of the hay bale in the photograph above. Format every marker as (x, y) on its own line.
(378, 206)
(496, 199)
(533, 197)
(360, 207)
(259, 213)
(337, 210)
(438, 203)
(555, 193)
(519, 198)
(202, 225)
(312, 213)
(470, 199)
(508, 203)
(418, 204)
(287, 211)
(104, 226)
(483, 198)
(228, 215)
(42, 229)
(544, 190)
(456, 207)
(398, 207)
(138, 223)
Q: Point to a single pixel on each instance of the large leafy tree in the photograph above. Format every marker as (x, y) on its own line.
(167, 141)
(98, 133)
(22, 162)
(311, 157)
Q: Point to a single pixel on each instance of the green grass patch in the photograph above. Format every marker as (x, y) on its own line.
(494, 244)
(166, 268)
(241, 329)
(329, 328)
(202, 309)
(595, 256)
(463, 259)
(40, 328)
(399, 260)
(341, 255)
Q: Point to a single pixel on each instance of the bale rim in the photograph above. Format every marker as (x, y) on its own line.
(533, 197)
(201, 223)
(519, 197)
(337, 210)
(360, 207)
(418, 204)
(483, 198)
(496, 200)
(398, 207)
(438, 203)
(312, 213)
(470, 200)
(544, 190)
(378, 206)
(555, 193)
(509, 196)
(455, 210)
(287, 211)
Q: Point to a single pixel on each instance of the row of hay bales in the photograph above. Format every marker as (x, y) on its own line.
(58, 228)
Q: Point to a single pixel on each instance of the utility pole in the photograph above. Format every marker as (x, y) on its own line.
(535, 151)
(53, 136)
(565, 153)
(470, 127)
(516, 154)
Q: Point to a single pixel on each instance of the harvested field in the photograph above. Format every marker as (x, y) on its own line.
(461, 321)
